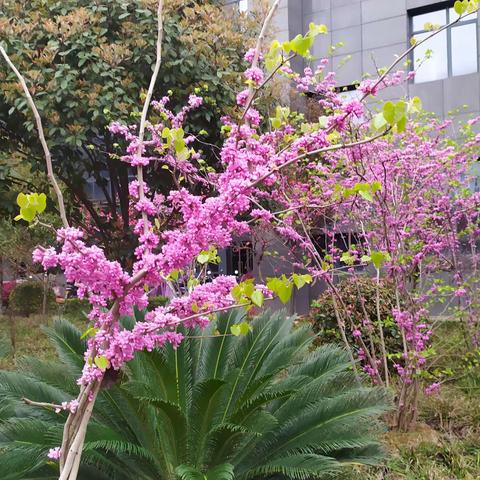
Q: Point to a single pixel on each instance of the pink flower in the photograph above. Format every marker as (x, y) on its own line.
(253, 116)
(432, 388)
(254, 74)
(54, 453)
(250, 55)
(194, 101)
(242, 97)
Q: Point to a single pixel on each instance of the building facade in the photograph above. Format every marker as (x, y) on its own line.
(367, 35)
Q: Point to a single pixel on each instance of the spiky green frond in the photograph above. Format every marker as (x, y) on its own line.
(219, 407)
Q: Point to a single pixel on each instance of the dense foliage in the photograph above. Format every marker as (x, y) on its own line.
(27, 298)
(256, 405)
(358, 296)
(86, 64)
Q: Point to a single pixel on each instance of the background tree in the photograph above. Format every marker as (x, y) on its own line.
(86, 63)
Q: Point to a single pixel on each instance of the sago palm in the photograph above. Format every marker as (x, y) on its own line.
(263, 405)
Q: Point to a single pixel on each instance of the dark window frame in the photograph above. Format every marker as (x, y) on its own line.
(437, 7)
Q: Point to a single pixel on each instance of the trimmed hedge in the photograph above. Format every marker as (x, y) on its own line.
(74, 308)
(156, 301)
(27, 298)
(324, 321)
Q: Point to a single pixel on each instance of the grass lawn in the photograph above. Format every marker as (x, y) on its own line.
(29, 337)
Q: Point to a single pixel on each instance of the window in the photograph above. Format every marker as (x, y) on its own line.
(242, 4)
(240, 258)
(451, 52)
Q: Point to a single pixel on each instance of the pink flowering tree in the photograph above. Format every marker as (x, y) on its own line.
(350, 169)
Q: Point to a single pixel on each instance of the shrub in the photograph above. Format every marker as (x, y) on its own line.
(351, 290)
(74, 308)
(27, 298)
(156, 301)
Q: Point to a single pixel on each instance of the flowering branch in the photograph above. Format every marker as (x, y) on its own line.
(331, 148)
(258, 46)
(411, 49)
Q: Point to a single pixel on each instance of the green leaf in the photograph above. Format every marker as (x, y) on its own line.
(22, 200)
(173, 275)
(185, 472)
(42, 203)
(203, 257)
(276, 122)
(317, 29)
(415, 105)
(375, 186)
(379, 121)
(301, 44)
(282, 287)
(101, 362)
(301, 280)
(90, 332)
(257, 298)
(240, 329)
(378, 258)
(285, 292)
(366, 195)
(389, 112)
(400, 110)
(28, 213)
(401, 125)
(460, 7)
(347, 258)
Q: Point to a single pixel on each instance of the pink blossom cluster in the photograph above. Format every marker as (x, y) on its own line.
(70, 406)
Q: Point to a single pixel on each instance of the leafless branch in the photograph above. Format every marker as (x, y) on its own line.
(41, 135)
(146, 105)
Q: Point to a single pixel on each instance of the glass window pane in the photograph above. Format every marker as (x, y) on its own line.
(435, 18)
(430, 58)
(464, 49)
(454, 16)
(243, 5)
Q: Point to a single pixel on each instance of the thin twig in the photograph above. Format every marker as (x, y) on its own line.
(41, 404)
(258, 46)
(41, 135)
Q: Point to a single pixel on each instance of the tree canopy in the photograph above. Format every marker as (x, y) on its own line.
(89, 62)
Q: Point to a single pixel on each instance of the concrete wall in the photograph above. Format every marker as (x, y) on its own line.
(374, 32)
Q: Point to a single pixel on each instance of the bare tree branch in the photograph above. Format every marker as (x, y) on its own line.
(148, 98)
(46, 150)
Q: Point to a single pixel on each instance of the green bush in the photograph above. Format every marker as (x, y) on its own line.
(75, 308)
(324, 321)
(156, 301)
(27, 298)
